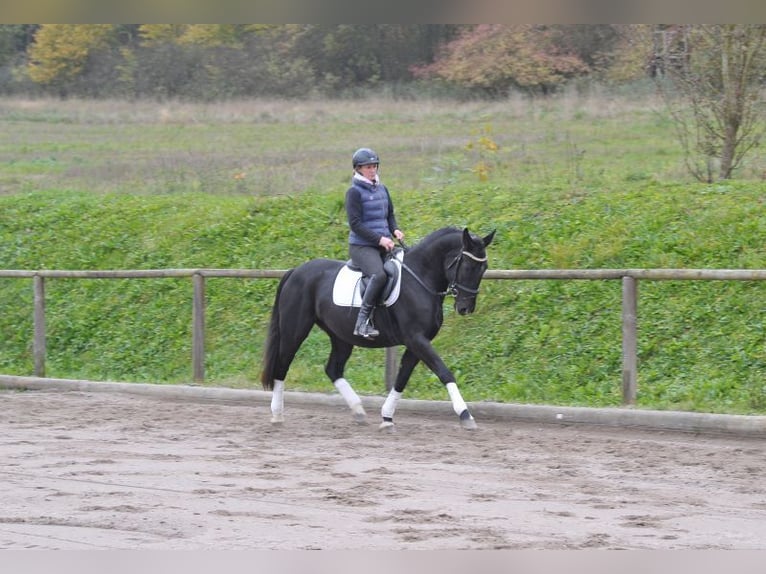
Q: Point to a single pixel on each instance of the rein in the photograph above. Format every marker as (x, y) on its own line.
(422, 284)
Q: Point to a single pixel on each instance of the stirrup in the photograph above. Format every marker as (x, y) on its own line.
(366, 330)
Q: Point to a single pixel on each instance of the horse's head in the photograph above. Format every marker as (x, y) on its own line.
(469, 267)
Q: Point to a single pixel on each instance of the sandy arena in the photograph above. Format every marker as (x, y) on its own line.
(90, 470)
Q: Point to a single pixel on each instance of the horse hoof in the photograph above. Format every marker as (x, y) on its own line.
(387, 426)
(468, 423)
(360, 416)
(277, 419)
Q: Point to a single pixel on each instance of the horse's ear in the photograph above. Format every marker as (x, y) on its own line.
(466, 238)
(488, 239)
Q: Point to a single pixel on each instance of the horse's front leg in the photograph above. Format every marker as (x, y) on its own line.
(406, 366)
(422, 347)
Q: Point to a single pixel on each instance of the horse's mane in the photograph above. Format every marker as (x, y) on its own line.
(438, 235)
(433, 240)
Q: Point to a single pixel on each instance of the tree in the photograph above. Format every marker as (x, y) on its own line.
(496, 57)
(214, 35)
(60, 52)
(345, 57)
(710, 78)
(631, 55)
(14, 39)
(208, 35)
(161, 33)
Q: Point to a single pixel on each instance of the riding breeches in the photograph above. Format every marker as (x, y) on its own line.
(370, 261)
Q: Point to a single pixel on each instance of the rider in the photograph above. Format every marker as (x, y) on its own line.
(370, 213)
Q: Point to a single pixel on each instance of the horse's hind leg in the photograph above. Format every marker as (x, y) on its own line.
(278, 402)
(336, 364)
(293, 333)
(406, 366)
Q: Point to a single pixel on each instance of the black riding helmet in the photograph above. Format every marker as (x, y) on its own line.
(364, 156)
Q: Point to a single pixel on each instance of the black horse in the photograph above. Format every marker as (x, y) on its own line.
(449, 261)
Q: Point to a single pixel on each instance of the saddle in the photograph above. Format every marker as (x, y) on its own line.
(350, 285)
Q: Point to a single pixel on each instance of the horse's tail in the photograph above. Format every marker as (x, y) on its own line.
(271, 348)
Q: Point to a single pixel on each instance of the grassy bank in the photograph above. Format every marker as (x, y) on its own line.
(567, 184)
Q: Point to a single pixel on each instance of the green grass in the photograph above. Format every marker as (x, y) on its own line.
(571, 184)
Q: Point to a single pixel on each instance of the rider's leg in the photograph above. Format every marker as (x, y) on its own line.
(369, 260)
(364, 326)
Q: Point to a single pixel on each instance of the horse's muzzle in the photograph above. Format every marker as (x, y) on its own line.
(465, 307)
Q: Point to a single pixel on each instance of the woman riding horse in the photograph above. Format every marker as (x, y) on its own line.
(372, 224)
(449, 261)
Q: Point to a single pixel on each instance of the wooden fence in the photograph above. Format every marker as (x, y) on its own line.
(628, 277)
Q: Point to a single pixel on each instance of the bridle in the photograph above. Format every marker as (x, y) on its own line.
(454, 287)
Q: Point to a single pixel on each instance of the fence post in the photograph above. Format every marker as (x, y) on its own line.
(198, 328)
(629, 340)
(38, 343)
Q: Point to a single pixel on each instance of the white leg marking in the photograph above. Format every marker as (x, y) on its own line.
(458, 404)
(389, 406)
(349, 394)
(461, 409)
(352, 400)
(278, 402)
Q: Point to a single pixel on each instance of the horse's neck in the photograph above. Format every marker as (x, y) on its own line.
(429, 262)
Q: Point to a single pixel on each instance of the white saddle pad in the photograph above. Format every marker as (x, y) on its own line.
(345, 291)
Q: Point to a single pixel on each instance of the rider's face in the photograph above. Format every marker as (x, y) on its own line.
(369, 171)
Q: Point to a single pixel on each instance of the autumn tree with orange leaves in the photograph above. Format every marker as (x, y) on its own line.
(496, 58)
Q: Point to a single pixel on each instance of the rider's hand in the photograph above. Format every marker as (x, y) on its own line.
(398, 234)
(386, 243)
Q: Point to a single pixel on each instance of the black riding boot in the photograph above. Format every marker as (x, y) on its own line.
(364, 327)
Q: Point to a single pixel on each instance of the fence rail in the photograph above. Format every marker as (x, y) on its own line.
(628, 277)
